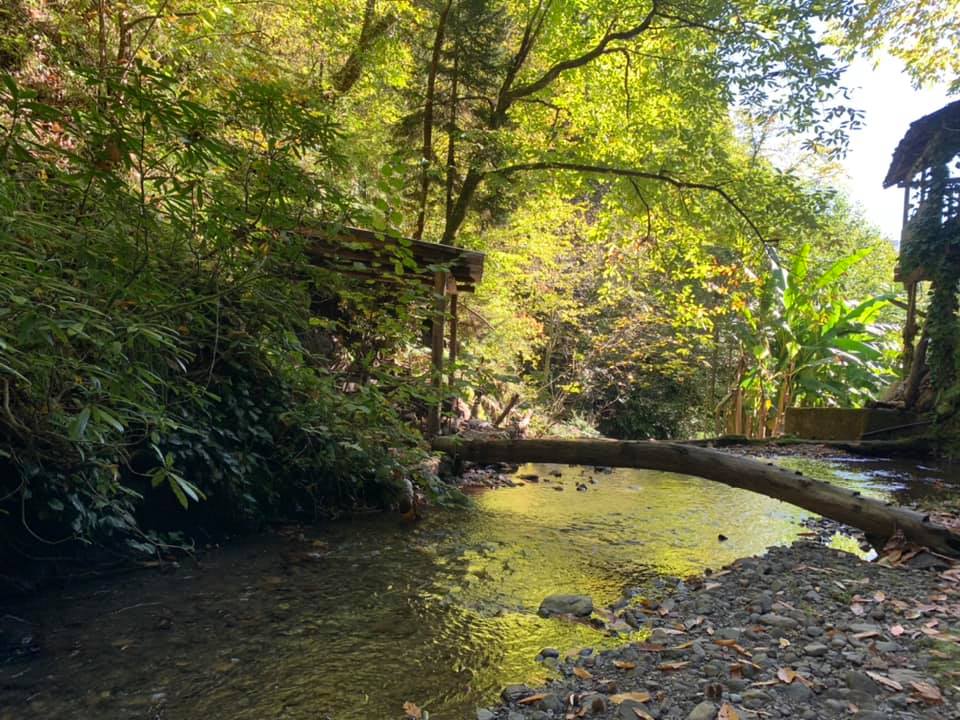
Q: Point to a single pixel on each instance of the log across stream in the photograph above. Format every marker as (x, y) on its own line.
(877, 519)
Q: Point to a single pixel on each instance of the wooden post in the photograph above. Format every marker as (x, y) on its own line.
(909, 328)
(454, 325)
(436, 348)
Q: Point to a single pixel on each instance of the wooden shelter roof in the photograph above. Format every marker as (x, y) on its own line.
(923, 144)
(366, 253)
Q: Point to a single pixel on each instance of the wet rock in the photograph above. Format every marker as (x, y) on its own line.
(780, 621)
(815, 649)
(594, 703)
(704, 711)
(512, 693)
(549, 652)
(551, 703)
(862, 682)
(754, 698)
(579, 605)
(796, 692)
(484, 714)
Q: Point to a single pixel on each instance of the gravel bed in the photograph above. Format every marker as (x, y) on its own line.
(801, 632)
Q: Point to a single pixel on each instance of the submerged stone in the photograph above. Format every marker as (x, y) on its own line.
(579, 605)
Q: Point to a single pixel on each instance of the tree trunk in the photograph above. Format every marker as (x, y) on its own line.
(426, 154)
(876, 519)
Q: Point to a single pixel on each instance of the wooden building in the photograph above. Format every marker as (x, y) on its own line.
(446, 270)
(926, 164)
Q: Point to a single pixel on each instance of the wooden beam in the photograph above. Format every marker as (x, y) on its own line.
(877, 519)
(437, 327)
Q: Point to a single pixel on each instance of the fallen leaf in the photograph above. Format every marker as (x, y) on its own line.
(742, 650)
(673, 665)
(530, 699)
(581, 673)
(412, 711)
(879, 596)
(642, 714)
(725, 643)
(787, 675)
(784, 643)
(866, 635)
(897, 630)
(624, 665)
(635, 696)
(929, 693)
(727, 713)
(712, 586)
(885, 681)
(858, 609)
(763, 683)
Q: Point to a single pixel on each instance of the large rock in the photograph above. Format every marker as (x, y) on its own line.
(579, 605)
(704, 711)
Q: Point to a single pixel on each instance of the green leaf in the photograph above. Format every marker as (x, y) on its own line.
(78, 427)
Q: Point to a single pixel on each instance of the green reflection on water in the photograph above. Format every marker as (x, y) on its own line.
(442, 614)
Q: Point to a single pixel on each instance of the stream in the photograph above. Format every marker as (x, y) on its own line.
(350, 620)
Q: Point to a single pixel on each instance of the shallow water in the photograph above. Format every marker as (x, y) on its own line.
(352, 620)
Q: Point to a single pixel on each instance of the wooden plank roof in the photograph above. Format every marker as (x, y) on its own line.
(366, 253)
(931, 140)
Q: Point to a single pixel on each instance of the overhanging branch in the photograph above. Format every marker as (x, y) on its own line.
(631, 173)
(596, 51)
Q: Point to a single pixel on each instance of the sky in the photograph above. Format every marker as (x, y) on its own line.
(890, 104)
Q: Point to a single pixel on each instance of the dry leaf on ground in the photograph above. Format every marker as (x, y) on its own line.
(412, 711)
(727, 712)
(635, 696)
(927, 692)
(581, 673)
(624, 665)
(529, 699)
(787, 675)
(885, 681)
(674, 665)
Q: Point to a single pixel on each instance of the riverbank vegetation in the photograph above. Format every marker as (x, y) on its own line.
(653, 186)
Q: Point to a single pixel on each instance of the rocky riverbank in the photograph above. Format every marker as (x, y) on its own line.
(800, 632)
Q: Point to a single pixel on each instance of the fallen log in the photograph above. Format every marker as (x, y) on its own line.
(877, 519)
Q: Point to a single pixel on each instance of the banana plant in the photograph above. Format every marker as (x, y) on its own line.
(806, 344)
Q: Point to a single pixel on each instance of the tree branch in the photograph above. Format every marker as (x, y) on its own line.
(630, 173)
(599, 49)
(370, 31)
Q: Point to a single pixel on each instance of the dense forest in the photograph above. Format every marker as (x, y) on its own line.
(653, 185)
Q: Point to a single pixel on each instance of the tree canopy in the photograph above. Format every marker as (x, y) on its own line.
(163, 334)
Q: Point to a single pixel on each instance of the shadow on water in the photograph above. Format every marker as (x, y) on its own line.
(353, 619)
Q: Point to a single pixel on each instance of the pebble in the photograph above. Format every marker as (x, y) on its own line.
(728, 644)
(704, 711)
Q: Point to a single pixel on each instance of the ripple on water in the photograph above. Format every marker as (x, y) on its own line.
(442, 614)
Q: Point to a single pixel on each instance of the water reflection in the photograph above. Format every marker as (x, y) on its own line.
(351, 621)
